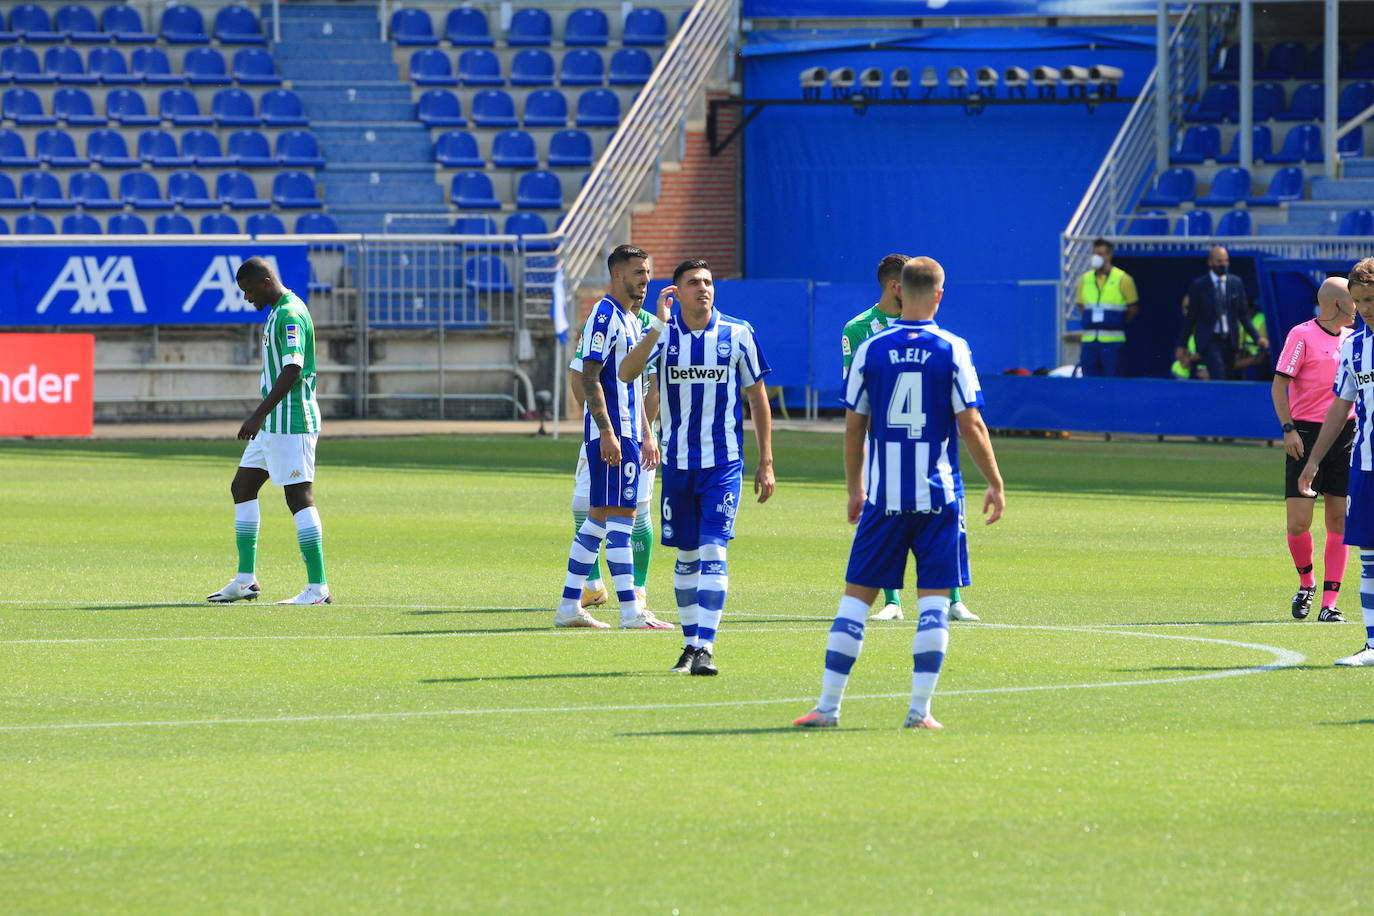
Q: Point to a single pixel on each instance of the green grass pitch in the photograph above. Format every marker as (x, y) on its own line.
(1138, 726)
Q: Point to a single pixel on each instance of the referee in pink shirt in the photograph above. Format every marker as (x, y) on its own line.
(1302, 392)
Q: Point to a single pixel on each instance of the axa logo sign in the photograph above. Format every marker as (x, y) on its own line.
(90, 285)
(113, 285)
(46, 384)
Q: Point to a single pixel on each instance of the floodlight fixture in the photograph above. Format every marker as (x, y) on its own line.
(812, 80)
(841, 82)
(900, 82)
(1045, 79)
(1016, 79)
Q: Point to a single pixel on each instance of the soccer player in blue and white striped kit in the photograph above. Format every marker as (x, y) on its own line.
(911, 393)
(705, 360)
(1355, 385)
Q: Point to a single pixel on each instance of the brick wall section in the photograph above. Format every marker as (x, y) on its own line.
(697, 213)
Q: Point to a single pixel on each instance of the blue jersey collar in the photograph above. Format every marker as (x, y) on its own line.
(682, 323)
(928, 323)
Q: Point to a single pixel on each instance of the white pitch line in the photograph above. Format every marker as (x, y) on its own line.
(1282, 658)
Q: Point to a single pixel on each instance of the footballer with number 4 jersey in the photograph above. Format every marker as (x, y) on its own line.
(282, 433)
(911, 392)
(707, 363)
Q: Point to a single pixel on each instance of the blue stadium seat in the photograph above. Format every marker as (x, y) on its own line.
(440, 108)
(531, 67)
(173, 224)
(188, 190)
(1352, 144)
(1362, 68)
(218, 224)
(34, 224)
(248, 149)
(44, 191)
(1305, 105)
(474, 225)
(1354, 99)
(631, 67)
(295, 190)
(546, 108)
(529, 224)
(64, 64)
(598, 108)
(412, 27)
(109, 65)
(1221, 102)
(539, 191)
(1234, 222)
(74, 108)
(19, 64)
(467, 27)
(92, 192)
(1304, 142)
(1230, 186)
(530, 27)
(158, 148)
(582, 67)
(202, 146)
(236, 189)
(1357, 222)
(473, 191)
(128, 224)
(78, 24)
(1171, 188)
(80, 224)
(1261, 145)
(1228, 64)
(316, 224)
(1149, 222)
(32, 24)
(58, 149)
(126, 106)
(1316, 62)
(431, 67)
(488, 273)
(587, 27)
(263, 224)
(125, 24)
(458, 149)
(107, 147)
(1269, 100)
(152, 67)
(4, 227)
(237, 25)
(234, 108)
(184, 25)
(282, 108)
(513, 149)
(181, 108)
(1194, 222)
(493, 108)
(480, 67)
(1287, 184)
(22, 106)
(645, 26)
(1197, 144)
(299, 148)
(570, 149)
(1285, 59)
(205, 67)
(255, 67)
(9, 197)
(13, 153)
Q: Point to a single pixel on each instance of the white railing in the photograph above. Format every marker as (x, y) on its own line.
(1296, 247)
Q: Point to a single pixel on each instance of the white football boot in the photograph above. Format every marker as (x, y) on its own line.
(580, 619)
(959, 611)
(1361, 659)
(311, 595)
(236, 591)
(889, 612)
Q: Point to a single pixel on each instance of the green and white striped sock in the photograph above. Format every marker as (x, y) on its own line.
(642, 542)
(246, 517)
(308, 535)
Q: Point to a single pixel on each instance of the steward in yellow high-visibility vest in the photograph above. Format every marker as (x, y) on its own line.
(1108, 302)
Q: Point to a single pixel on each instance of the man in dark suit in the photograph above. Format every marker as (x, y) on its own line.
(1214, 312)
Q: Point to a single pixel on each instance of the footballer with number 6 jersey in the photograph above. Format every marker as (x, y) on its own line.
(911, 391)
(706, 362)
(282, 433)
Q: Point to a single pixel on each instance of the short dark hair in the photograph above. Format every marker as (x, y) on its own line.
(1103, 243)
(253, 271)
(689, 264)
(623, 254)
(890, 268)
(1362, 272)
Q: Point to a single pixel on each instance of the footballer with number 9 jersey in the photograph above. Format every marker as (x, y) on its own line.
(705, 360)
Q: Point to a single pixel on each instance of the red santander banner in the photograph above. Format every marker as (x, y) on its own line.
(47, 385)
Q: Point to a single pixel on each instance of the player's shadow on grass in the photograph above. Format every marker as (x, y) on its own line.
(494, 630)
(1200, 623)
(1210, 668)
(475, 610)
(539, 677)
(703, 732)
(142, 607)
(1351, 722)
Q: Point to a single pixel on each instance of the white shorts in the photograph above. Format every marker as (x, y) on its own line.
(582, 481)
(288, 458)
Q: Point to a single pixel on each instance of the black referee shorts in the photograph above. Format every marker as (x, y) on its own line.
(1333, 474)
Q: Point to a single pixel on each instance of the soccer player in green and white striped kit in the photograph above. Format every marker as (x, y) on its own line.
(858, 329)
(282, 432)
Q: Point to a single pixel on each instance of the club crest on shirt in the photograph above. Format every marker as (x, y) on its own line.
(723, 349)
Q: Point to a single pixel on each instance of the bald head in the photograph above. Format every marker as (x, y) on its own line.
(1333, 300)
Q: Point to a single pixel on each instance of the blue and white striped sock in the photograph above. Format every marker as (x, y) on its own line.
(1367, 594)
(586, 545)
(685, 574)
(620, 562)
(842, 649)
(928, 651)
(713, 583)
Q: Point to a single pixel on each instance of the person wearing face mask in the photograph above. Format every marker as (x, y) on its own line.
(1302, 394)
(1214, 313)
(1108, 302)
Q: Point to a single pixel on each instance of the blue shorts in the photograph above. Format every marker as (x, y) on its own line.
(937, 540)
(1359, 509)
(616, 485)
(697, 506)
